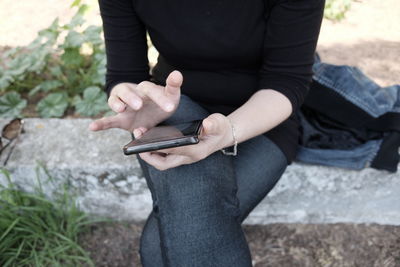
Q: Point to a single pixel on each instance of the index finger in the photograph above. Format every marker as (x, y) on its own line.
(155, 93)
(104, 123)
(125, 93)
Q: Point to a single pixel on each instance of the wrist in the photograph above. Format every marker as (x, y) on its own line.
(230, 141)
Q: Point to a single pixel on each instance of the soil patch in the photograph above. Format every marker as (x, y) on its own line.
(283, 245)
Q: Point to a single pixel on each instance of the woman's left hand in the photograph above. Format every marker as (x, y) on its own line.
(215, 134)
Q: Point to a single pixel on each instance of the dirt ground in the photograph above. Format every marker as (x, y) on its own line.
(273, 245)
(368, 38)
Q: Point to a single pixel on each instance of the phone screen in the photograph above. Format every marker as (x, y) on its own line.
(168, 132)
(164, 136)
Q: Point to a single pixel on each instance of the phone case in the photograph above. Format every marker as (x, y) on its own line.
(192, 139)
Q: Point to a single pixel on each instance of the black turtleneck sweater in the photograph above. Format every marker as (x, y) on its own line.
(226, 50)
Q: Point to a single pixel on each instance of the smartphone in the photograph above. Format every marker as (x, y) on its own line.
(165, 136)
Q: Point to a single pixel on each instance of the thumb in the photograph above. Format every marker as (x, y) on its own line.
(212, 124)
(174, 82)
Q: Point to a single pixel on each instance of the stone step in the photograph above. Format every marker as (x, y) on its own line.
(109, 183)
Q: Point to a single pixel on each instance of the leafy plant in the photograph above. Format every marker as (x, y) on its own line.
(93, 102)
(11, 104)
(336, 9)
(61, 63)
(36, 231)
(53, 105)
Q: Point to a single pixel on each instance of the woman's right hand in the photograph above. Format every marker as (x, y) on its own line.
(141, 106)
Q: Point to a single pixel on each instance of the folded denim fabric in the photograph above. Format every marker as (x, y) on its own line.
(349, 121)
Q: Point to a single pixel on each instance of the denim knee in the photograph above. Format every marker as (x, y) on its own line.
(197, 214)
(205, 186)
(150, 245)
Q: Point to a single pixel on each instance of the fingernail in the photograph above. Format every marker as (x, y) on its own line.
(136, 104)
(93, 126)
(117, 106)
(169, 107)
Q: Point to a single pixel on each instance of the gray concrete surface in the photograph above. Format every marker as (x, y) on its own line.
(109, 183)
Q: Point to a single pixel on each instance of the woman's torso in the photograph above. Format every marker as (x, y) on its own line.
(219, 48)
(218, 45)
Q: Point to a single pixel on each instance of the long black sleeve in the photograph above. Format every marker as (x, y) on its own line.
(126, 43)
(290, 40)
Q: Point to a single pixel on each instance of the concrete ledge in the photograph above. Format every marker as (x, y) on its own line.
(110, 183)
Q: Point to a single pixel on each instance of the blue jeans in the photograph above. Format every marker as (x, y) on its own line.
(198, 208)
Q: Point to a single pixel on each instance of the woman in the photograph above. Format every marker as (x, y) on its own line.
(242, 66)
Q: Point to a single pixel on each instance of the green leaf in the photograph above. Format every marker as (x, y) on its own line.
(73, 39)
(76, 3)
(77, 20)
(93, 102)
(92, 35)
(50, 85)
(52, 32)
(10, 228)
(76, 99)
(35, 89)
(11, 52)
(5, 81)
(336, 9)
(46, 86)
(72, 57)
(11, 105)
(53, 105)
(83, 9)
(56, 71)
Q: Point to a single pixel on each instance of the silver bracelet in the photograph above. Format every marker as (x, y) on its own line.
(234, 152)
